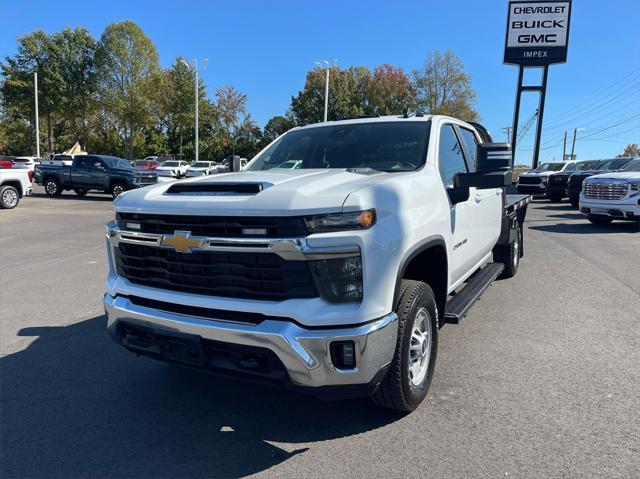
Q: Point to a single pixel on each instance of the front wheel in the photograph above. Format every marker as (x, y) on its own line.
(411, 370)
(9, 197)
(80, 192)
(555, 198)
(574, 202)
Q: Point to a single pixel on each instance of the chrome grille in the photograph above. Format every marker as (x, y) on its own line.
(605, 191)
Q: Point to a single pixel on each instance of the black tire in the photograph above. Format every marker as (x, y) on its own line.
(574, 202)
(117, 188)
(555, 198)
(397, 390)
(599, 220)
(509, 255)
(52, 187)
(9, 197)
(80, 192)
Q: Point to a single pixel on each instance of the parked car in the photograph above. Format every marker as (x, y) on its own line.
(59, 160)
(145, 164)
(6, 161)
(534, 182)
(556, 188)
(26, 162)
(108, 174)
(173, 168)
(15, 183)
(225, 165)
(612, 196)
(200, 168)
(333, 277)
(574, 183)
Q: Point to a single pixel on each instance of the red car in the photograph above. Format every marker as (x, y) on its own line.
(6, 162)
(146, 164)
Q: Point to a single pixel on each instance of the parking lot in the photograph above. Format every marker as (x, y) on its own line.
(540, 380)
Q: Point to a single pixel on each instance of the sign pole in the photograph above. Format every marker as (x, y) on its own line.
(516, 115)
(543, 93)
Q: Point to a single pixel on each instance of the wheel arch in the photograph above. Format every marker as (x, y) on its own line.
(16, 184)
(426, 262)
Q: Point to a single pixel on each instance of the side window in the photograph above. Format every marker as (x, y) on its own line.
(450, 158)
(570, 167)
(472, 146)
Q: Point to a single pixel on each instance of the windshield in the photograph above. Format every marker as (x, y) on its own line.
(201, 164)
(614, 164)
(388, 146)
(633, 165)
(115, 162)
(549, 167)
(586, 165)
(170, 163)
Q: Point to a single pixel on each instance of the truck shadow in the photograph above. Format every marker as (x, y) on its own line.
(73, 196)
(76, 405)
(587, 228)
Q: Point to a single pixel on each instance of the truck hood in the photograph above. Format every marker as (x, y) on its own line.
(541, 174)
(275, 193)
(620, 175)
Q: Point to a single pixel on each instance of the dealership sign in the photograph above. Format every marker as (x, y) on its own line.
(537, 32)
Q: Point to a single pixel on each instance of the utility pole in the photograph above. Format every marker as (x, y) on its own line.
(35, 89)
(194, 65)
(573, 145)
(564, 146)
(507, 131)
(327, 65)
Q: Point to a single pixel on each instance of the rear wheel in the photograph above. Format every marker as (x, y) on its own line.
(411, 370)
(555, 198)
(9, 197)
(509, 255)
(116, 189)
(599, 220)
(52, 187)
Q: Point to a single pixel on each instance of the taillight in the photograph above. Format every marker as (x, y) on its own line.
(30, 176)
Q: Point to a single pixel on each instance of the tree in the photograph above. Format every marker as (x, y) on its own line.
(275, 127)
(443, 87)
(631, 150)
(128, 76)
(389, 91)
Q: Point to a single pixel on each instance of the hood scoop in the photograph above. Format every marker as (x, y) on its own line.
(214, 189)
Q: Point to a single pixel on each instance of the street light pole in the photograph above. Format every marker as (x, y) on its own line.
(35, 89)
(573, 145)
(194, 65)
(326, 85)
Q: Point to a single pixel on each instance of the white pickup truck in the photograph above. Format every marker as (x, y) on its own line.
(15, 183)
(333, 277)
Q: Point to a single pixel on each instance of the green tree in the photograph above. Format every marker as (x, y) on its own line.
(36, 53)
(444, 88)
(275, 127)
(128, 76)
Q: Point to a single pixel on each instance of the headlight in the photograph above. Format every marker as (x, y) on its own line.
(634, 186)
(355, 220)
(135, 180)
(339, 280)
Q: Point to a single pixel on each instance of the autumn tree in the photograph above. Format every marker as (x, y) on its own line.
(444, 88)
(631, 150)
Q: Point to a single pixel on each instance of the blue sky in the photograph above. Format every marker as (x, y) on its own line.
(264, 49)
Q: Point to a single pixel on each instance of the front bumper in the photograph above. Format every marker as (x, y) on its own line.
(304, 352)
(537, 189)
(624, 209)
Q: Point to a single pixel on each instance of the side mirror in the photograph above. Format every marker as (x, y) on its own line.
(236, 164)
(458, 194)
(493, 168)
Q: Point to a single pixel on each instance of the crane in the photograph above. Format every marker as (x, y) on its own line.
(527, 126)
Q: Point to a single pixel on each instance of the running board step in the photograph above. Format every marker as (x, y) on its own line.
(458, 306)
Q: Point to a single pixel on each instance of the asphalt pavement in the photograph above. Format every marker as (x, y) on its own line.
(542, 379)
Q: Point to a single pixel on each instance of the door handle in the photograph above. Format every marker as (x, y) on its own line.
(478, 197)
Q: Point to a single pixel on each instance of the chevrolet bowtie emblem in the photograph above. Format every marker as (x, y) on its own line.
(182, 241)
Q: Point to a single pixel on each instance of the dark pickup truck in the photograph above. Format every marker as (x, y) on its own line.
(108, 174)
